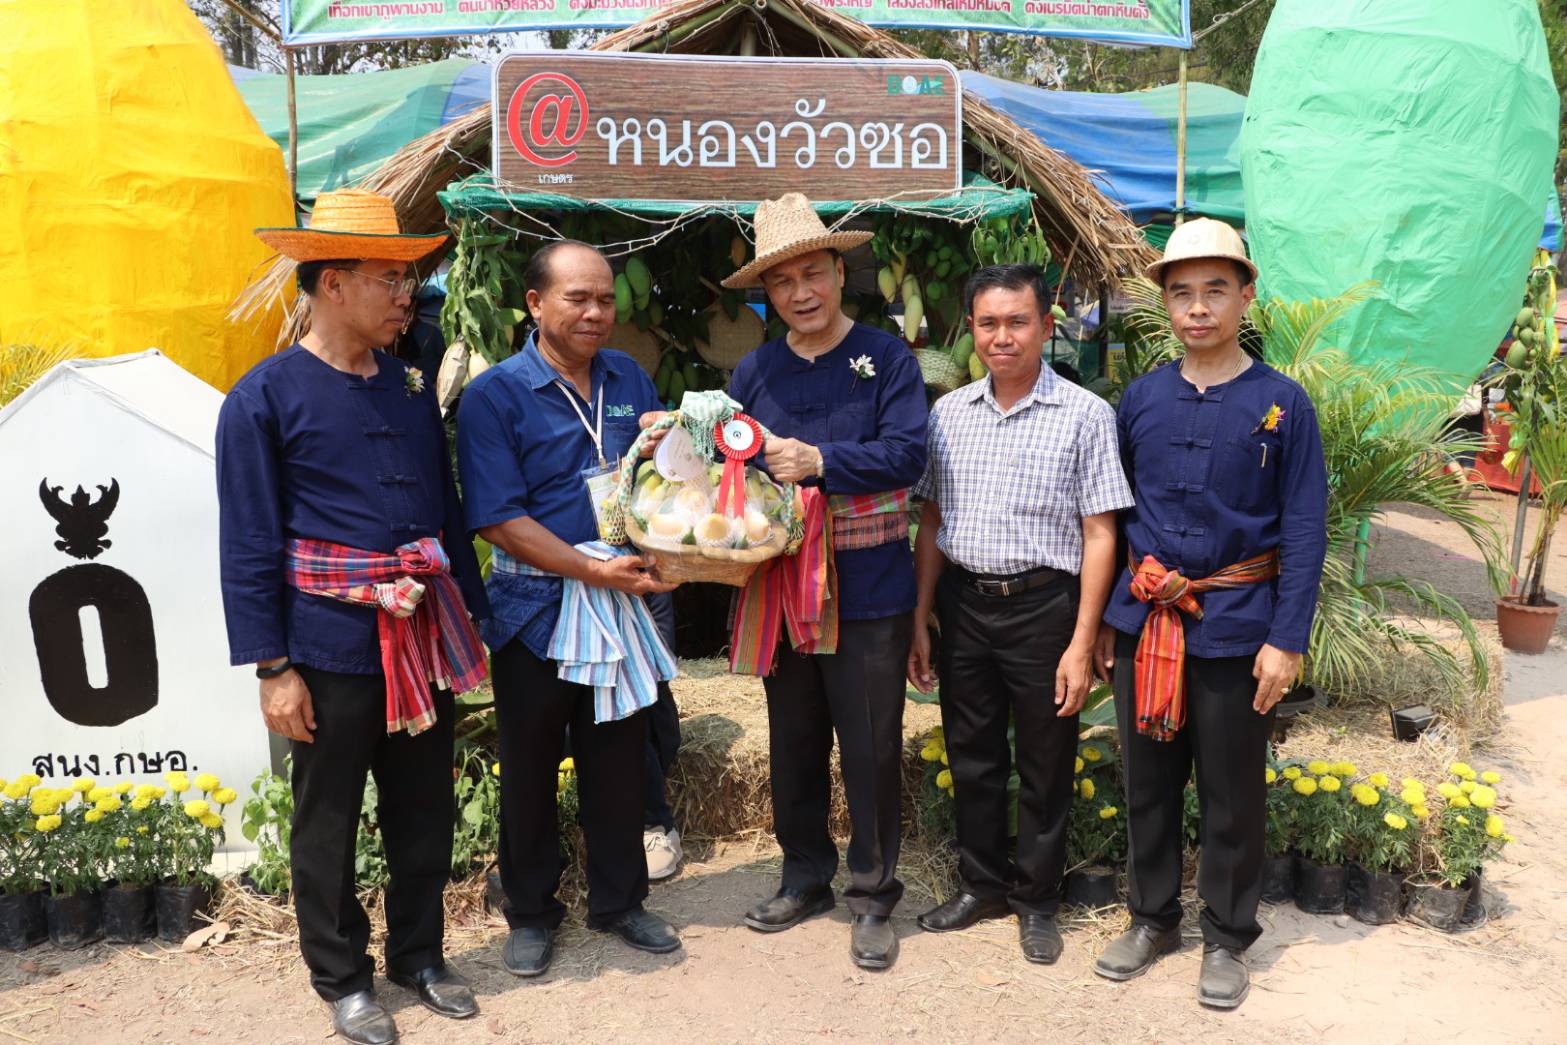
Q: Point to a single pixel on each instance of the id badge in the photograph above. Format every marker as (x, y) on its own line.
(603, 484)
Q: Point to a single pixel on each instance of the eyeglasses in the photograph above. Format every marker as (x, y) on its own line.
(398, 287)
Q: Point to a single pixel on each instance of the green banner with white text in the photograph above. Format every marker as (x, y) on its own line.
(1155, 22)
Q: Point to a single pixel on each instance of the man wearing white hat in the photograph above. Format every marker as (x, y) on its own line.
(1206, 628)
(846, 406)
(348, 580)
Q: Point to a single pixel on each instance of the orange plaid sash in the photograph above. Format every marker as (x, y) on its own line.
(1161, 652)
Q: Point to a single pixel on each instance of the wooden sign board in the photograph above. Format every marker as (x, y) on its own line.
(703, 129)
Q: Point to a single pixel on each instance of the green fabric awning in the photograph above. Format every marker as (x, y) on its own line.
(979, 199)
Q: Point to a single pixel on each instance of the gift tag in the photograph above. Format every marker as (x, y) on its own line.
(676, 458)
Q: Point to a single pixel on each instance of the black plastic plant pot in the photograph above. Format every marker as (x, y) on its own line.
(1437, 906)
(22, 920)
(1092, 887)
(1319, 888)
(1474, 914)
(130, 913)
(75, 919)
(1373, 897)
(1278, 879)
(178, 906)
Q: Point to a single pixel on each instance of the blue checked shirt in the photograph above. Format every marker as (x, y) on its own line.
(1014, 485)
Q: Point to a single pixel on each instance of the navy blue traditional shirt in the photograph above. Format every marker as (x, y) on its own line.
(871, 434)
(522, 449)
(1215, 486)
(308, 451)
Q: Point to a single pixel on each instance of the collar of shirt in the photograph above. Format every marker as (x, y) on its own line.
(1046, 390)
(533, 367)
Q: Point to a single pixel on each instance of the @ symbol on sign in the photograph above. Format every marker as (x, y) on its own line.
(539, 132)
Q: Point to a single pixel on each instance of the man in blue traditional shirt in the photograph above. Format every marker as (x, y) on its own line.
(332, 453)
(530, 430)
(846, 406)
(1226, 544)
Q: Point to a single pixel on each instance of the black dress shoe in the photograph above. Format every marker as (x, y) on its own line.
(359, 1019)
(789, 908)
(1223, 982)
(872, 943)
(1134, 951)
(644, 931)
(962, 911)
(528, 951)
(440, 990)
(1040, 938)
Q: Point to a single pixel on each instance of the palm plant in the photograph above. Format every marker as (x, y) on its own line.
(1387, 438)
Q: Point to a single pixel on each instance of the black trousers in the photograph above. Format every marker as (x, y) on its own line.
(1228, 741)
(413, 778)
(858, 693)
(533, 709)
(997, 661)
(663, 744)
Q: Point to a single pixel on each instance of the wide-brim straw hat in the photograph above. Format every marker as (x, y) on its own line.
(1202, 238)
(787, 228)
(351, 224)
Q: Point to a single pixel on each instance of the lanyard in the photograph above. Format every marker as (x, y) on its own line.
(596, 434)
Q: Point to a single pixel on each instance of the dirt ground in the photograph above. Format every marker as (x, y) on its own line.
(1314, 977)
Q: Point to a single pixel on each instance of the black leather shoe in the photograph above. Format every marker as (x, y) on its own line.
(1223, 982)
(440, 990)
(872, 943)
(789, 908)
(644, 931)
(1040, 938)
(1134, 951)
(359, 1019)
(962, 911)
(528, 951)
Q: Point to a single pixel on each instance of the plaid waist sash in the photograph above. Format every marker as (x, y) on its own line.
(426, 635)
(1161, 652)
(798, 593)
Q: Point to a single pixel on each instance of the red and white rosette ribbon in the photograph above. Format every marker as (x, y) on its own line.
(739, 439)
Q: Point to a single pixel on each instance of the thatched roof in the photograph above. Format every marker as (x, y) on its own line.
(1089, 236)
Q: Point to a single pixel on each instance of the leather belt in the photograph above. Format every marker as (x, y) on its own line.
(1016, 584)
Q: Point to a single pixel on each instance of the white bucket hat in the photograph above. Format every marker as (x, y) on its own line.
(1202, 238)
(786, 228)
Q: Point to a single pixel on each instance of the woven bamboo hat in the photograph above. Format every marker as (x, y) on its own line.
(1201, 238)
(786, 228)
(350, 223)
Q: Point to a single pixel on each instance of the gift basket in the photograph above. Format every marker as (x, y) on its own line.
(702, 519)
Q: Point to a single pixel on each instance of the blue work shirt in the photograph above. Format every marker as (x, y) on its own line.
(1215, 487)
(522, 450)
(308, 451)
(871, 434)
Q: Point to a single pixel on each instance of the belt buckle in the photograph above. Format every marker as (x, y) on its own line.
(994, 587)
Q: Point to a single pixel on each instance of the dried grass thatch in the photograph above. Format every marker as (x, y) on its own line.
(1092, 239)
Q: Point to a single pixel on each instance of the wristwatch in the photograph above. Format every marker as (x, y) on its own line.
(821, 464)
(275, 670)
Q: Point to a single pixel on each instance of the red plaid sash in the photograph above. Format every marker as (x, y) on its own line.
(1161, 652)
(423, 640)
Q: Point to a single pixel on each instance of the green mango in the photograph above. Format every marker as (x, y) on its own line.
(1525, 318)
(656, 313)
(677, 388)
(637, 274)
(691, 374)
(963, 350)
(622, 298)
(976, 367)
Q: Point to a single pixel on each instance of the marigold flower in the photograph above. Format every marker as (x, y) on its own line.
(1395, 821)
(48, 823)
(1468, 787)
(1366, 795)
(14, 791)
(146, 791)
(1420, 810)
(1461, 802)
(944, 757)
(1462, 769)
(1483, 797)
(1269, 776)
(1329, 784)
(211, 821)
(1491, 776)
(44, 805)
(179, 783)
(123, 787)
(1412, 796)
(28, 780)
(1291, 772)
(1086, 789)
(122, 842)
(207, 783)
(1092, 754)
(98, 793)
(1448, 790)
(1410, 781)
(225, 796)
(108, 803)
(1493, 826)
(1077, 765)
(944, 779)
(1464, 820)
(1108, 813)
(1506, 838)
(495, 770)
(1344, 769)
(1317, 767)
(141, 830)
(197, 808)
(1379, 780)
(93, 815)
(568, 765)
(1305, 786)
(140, 804)
(930, 752)
(84, 785)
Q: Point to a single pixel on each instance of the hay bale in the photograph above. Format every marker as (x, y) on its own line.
(1406, 676)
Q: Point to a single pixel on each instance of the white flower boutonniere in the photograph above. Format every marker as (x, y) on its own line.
(413, 381)
(863, 368)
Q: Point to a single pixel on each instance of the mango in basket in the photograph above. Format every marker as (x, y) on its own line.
(669, 527)
(713, 532)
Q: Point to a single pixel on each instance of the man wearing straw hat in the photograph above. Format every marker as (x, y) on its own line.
(1206, 627)
(536, 434)
(846, 406)
(348, 580)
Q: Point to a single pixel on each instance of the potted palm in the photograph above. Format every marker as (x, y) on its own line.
(22, 922)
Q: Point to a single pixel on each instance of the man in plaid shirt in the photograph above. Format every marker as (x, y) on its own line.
(1016, 551)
